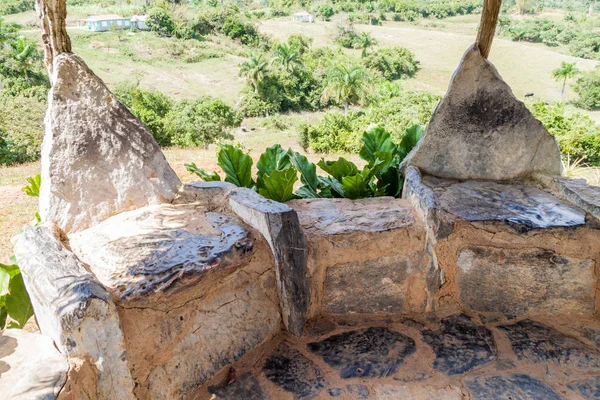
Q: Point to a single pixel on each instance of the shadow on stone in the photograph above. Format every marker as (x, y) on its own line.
(245, 387)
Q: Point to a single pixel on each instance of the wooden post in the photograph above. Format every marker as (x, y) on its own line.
(487, 26)
(53, 16)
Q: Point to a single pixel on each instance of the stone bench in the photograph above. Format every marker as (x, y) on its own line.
(366, 256)
(181, 290)
(507, 248)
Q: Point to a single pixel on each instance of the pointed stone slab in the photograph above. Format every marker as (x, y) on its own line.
(366, 353)
(481, 131)
(98, 159)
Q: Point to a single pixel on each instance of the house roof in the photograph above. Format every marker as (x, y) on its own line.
(302, 14)
(138, 18)
(103, 17)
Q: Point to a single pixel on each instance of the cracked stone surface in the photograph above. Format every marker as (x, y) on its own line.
(515, 204)
(293, 372)
(245, 387)
(536, 343)
(160, 248)
(370, 353)
(460, 345)
(588, 388)
(509, 387)
(457, 357)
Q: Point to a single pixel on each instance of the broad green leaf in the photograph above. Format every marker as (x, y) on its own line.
(410, 139)
(305, 192)
(18, 304)
(12, 269)
(204, 175)
(355, 187)
(279, 185)
(339, 169)
(33, 189)
(390, 182)
(236, 165)
(376, 140)
(274, 158)
(308, 172)
(4, 281)
(3, 315)
(337, 190)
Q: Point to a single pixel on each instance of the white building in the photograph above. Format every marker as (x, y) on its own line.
(303, 16)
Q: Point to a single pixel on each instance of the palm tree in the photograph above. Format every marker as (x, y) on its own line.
(346, 84)
(23, 52)
(288, 56)
(363, 41)
(565, 71)
(254, 70)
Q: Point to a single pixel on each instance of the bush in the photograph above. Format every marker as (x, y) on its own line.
(392, 63)
(8, 7)
(577, 134)
(252, 105)
(337, 133)
(160, 21)
(200, 122)
(21, 129)
(244, 32)
(588, 89)
(325, 11)
(150, 106)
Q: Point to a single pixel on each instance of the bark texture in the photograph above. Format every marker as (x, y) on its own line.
(53, 15)
(487, 26)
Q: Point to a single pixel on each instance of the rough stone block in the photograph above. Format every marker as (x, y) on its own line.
(31, 368)
(368, 353)
(365, 256)
(517, 281)
(481, 131)
(198, 330)
(509, 387)
(98, 159)
(75, 310)
(279, 225)
(143, 254)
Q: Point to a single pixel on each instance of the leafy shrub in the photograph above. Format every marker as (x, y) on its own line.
(200, 122)
(244, 32)
(253, 105)
(346, 37)
(325, 11)
(160, 21)
(150, 106)
(8, 7)
(392, 63)
(577, 134)
(278, 169)
(21, 129)
(336, 133)
(588, 89)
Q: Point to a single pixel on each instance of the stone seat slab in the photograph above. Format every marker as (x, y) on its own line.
(158, 249)
(31, 368)
(513, 203)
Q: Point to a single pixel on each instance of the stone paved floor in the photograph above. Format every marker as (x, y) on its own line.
(457, 357)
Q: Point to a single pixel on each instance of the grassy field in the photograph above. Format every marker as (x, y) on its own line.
(211, 68)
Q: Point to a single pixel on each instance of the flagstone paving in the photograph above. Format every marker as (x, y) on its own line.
(480, 357)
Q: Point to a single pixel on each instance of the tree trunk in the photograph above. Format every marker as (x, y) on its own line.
(487, 26)
(562, 92)
(52, 15)
(346, 107)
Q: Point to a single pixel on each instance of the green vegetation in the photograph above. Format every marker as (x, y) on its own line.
(186, 123)
(588, 89)
(278, 169)
(564, 72)
(14, 300)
